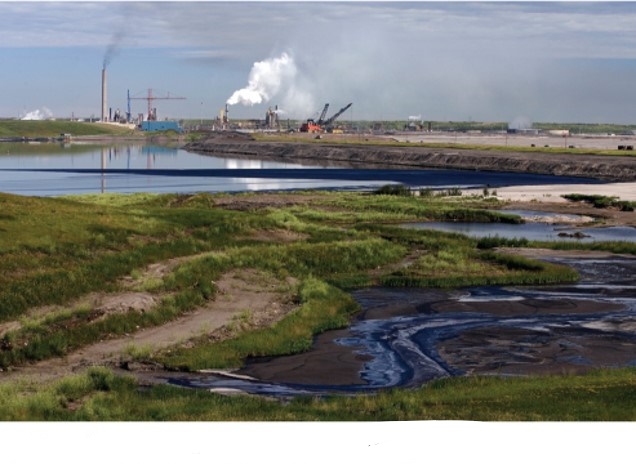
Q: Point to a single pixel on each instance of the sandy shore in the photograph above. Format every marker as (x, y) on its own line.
(553, 193)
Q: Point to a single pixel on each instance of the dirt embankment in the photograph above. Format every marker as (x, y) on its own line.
(246, 299)
(609, 168)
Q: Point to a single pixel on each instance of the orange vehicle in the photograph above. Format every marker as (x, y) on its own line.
(310, 127)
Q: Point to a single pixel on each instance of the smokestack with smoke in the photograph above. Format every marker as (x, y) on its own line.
(112, 49)
(104, 97)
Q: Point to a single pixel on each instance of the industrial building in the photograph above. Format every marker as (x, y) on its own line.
(147, 123)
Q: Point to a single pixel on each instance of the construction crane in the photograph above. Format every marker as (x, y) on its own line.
(152, 111)
(323, 114)
(311, 126)
(327, 123)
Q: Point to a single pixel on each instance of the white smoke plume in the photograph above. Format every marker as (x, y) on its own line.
(38, 114)
(276, 77)
(265, 81)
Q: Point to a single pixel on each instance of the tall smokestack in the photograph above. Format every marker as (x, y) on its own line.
(104, 97)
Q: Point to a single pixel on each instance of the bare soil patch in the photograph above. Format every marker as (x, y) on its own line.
(278, 235)
(553, 193)
(601, 216)
(253, 297)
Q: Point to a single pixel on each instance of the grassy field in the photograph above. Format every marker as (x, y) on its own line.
(53, 128)
(54, 251)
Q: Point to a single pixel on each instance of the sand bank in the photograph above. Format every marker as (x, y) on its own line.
(553, 193)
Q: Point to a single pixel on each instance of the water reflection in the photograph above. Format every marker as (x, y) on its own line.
(533, 231)
(52, 169)
(49, 157)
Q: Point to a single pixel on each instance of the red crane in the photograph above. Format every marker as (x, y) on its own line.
(152, 112)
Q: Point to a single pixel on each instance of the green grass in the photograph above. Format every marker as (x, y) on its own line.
(602, 201)
(53, 128)
(55, 249)
(456, 265)
(99, 395)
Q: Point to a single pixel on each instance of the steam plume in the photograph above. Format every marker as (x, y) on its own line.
(278, 78)
(265, 81)
(38, 114)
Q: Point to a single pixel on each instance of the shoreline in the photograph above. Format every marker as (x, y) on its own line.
(366, 155)
(553, 193)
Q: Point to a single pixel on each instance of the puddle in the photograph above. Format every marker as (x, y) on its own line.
(533, 231)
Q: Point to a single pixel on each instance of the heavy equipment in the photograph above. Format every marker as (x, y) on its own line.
(322, 125)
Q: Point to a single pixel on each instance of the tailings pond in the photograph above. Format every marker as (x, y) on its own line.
(54, 169)
(407, 337)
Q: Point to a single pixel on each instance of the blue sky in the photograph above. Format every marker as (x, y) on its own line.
(491, 61)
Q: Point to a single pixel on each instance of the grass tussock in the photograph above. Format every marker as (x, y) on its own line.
(602, 201)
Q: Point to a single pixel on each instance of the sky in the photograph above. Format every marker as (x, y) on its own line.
(480, 61)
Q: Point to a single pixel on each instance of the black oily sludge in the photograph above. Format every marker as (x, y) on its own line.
(408, 337)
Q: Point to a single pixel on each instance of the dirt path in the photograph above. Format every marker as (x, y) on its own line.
(246, 298)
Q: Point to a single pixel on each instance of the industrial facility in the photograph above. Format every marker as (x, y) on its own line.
(147, 122)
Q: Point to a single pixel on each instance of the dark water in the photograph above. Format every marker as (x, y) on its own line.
(411, 336)
(50, 169)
